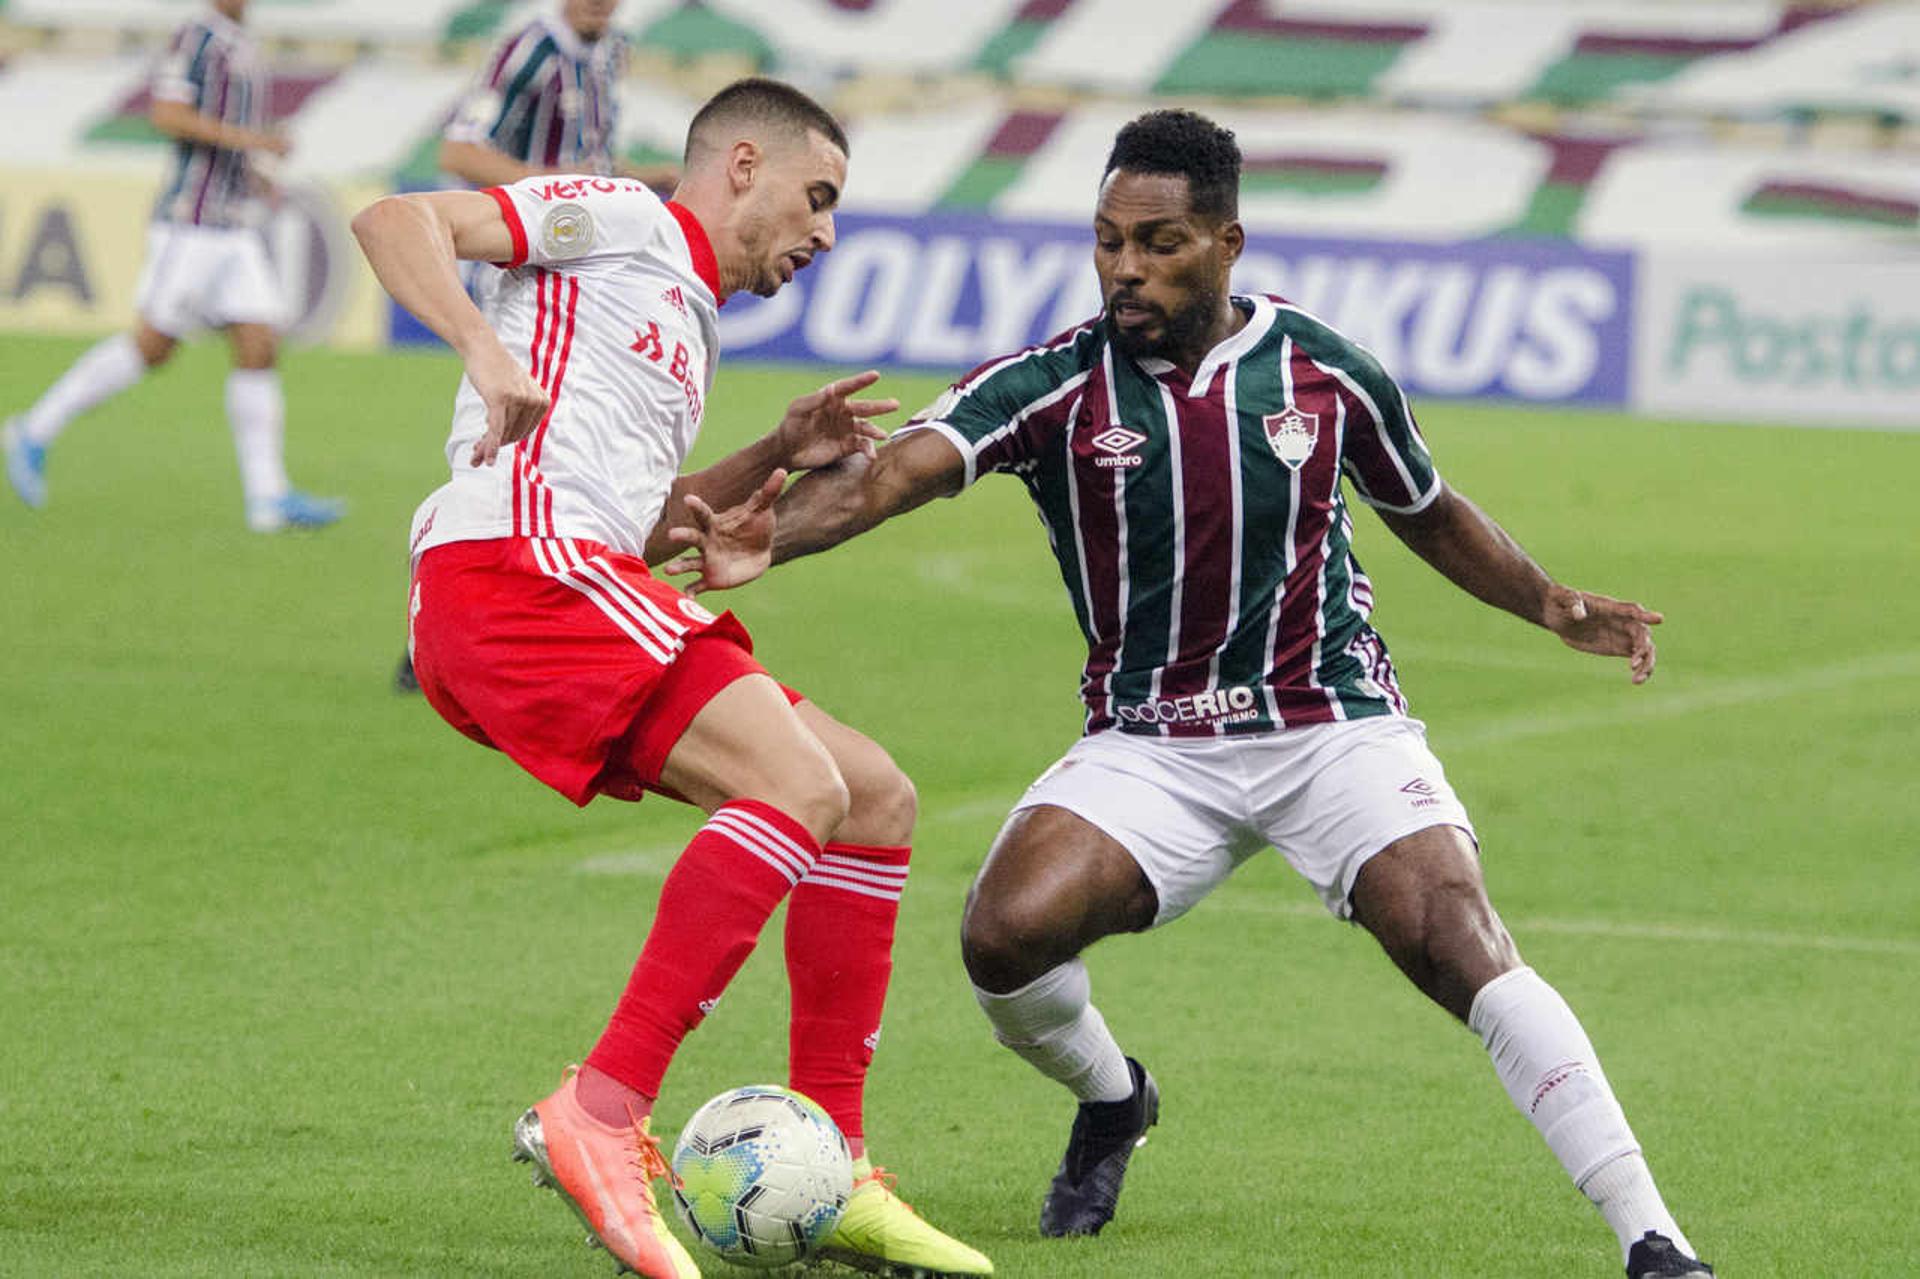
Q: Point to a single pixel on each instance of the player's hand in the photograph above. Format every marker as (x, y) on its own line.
(730, 548)
(516, 404)
(822, 428)
(274, 143)
(1609, 627)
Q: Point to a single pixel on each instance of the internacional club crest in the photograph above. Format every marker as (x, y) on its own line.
(1291, 435)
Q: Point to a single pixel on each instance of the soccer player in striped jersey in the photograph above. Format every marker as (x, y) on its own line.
(536, 627)
(546, 101)
(1187, 451)
(206, 267)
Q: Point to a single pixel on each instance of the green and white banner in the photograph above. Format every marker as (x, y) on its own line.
(1794, 340)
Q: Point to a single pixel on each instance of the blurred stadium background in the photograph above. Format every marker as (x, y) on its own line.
(281, 956)
(1702, 208)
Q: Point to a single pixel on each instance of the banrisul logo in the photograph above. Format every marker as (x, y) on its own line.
(1117, 447)
(1291, 435)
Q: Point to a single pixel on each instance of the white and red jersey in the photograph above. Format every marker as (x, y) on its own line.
(611, 298)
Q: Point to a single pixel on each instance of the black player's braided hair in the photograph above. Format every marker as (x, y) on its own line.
(1189, 144)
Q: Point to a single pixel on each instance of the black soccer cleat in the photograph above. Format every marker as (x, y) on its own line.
(1105, 1135)
(1653, 1256)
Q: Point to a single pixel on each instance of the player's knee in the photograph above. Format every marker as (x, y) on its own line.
(883, 804)
(155, 348)
(817, 798)
(1007, 942)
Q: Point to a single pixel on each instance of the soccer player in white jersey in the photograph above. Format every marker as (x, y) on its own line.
(545, 101)
(536, 627)
(206, 267)
(1186, 450)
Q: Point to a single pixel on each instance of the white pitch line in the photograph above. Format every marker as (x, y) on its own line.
(1617, 930)
(653, 863)
(1650, 704)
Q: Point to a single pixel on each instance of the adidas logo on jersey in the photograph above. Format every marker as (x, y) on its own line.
(675, 299)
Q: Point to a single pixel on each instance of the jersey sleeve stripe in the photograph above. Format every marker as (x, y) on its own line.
(953, 437)
(515, 227)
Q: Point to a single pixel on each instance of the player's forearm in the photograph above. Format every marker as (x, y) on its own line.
(178, 120)
(411, 251)
(827, 506)
(482, 165)
(728, 482)
(1472, 551)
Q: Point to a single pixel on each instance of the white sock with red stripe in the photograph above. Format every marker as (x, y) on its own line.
(839, 960)
(1052, 1023)
(107, 369)
(716, 899)
(1549, 1068)
(257, 411)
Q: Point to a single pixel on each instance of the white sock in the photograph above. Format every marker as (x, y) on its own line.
(107, 369)
(1549, 1068)
(1052, 1023)
(257, 413)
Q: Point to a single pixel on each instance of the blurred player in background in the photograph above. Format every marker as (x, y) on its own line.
(206, 267)
(1186, 451)
(546, 101)
(536, 627)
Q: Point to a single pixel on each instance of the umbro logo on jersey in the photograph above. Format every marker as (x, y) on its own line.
(1291, 435)
(675, 299)
(1118, 443)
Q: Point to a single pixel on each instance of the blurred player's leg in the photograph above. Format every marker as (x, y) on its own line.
(839, 946)
(257, 411)
(1423, 898)
(109, 368)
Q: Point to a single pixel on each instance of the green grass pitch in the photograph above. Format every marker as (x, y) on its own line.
(282, 956)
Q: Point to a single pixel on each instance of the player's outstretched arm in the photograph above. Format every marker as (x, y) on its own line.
(824, 508)
(413, 243)
(818, 429)
(1466, 545)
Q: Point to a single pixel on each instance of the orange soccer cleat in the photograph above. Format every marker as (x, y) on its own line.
(605, 1174)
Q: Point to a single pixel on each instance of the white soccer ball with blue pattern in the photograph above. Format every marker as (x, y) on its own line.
(762, 1175)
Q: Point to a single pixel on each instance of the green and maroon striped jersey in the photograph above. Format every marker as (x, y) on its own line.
(1200, 524)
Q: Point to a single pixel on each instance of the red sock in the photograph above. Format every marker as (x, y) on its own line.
(716, 899)
(839, 958)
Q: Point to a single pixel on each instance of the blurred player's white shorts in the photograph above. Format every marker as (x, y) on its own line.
(199, 277)
(1327, 796)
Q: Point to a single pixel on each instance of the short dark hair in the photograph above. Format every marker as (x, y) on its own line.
(1190, 145)
(757, 100)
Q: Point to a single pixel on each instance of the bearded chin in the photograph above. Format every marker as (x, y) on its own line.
(1180, 331)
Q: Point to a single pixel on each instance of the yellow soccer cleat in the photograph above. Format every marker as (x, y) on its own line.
(881, 1234)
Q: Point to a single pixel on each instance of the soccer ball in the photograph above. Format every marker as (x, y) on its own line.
(762, 1175)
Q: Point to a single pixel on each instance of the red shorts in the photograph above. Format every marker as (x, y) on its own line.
(572, 659)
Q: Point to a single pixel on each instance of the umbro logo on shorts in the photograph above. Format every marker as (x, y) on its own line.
(1425, 793)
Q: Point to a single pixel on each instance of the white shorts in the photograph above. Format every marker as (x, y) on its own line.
(1328, 797)
(199, 277)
